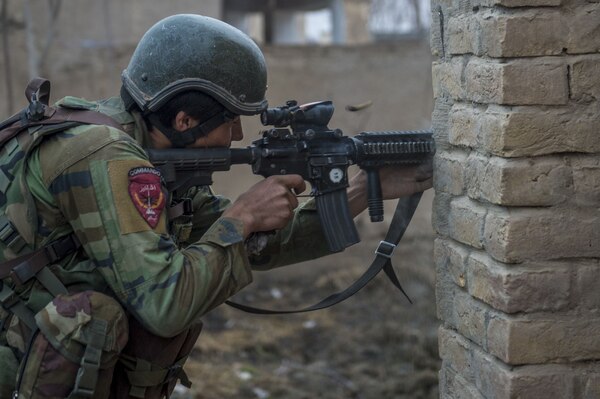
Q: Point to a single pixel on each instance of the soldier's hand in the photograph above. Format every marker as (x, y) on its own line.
(399, 182)
(396, 182)
(268, 205)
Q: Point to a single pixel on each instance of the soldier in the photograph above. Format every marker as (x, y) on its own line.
(105, 276)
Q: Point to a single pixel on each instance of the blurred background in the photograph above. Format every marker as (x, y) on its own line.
(375, 345)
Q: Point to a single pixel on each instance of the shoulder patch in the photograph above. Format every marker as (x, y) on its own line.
(138, 196)
(146, 193)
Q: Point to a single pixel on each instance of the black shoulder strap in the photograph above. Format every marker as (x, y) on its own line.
(383, 254)
(38, 112)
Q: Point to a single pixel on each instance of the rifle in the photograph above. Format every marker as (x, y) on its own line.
(300, 142)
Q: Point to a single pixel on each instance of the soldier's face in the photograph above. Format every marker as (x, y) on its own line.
(221, 136)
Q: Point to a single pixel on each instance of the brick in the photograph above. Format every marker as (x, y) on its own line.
(440, 122)
(456, 352)
(447, 79)
(519, 182)
(493, 378)
(535, 81)
(533, 182)
(586, 275)
(449, 172)
(555, 338)
(460, 311)
(436, 41)
(496, 380)
(440, 213)
(451, 258)
(465, 125)
(523, 34)
(521, 234)
(541, 382)
(481, 176)
(520, 82)
(585, 79)
(586, 179)
(527, 288)
(462, 35)
(533, 131)
(584, 34)
(484, 81)
(453, 386)
(445, 289)
(466, 221)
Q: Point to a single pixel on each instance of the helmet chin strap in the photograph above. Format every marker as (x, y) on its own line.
(182, 139)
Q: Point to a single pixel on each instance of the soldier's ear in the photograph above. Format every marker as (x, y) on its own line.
(183, 121)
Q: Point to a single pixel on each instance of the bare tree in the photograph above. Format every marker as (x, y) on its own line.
(395, 17)
(36, 58)
(6, 55)
(32, 51)
(54, 8)
(417, 15)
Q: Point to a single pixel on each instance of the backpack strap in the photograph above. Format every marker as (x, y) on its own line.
(82, 116)
(89, 367)
(34, 264)
(11, 302)
(143, 374)
(9, 235)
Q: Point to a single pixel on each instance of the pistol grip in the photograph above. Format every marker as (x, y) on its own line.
(336, 220)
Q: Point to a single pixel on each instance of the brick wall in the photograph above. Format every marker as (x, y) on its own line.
(517, 205)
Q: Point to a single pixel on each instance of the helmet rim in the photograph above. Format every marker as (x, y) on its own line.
(149, 103)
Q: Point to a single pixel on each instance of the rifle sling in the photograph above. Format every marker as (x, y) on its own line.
(404, 212)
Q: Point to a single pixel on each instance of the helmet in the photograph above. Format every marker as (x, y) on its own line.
(193, 52)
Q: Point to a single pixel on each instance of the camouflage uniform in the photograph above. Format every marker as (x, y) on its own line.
(78, 180)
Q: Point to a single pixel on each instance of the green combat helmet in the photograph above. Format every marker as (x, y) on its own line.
(193, 52)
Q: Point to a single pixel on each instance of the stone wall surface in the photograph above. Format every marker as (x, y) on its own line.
(517, 204)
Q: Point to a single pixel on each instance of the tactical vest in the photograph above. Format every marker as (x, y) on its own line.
(147, 366)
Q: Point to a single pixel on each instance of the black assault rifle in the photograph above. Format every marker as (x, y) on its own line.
(300, 142)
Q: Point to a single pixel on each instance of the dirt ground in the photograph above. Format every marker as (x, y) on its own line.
(374, 345)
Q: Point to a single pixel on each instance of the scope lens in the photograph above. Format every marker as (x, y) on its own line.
(264, 117)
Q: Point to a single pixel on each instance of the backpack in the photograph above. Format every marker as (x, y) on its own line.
(90, 348)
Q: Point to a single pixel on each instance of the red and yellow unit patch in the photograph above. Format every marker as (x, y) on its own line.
(130, 217)
(146, 193)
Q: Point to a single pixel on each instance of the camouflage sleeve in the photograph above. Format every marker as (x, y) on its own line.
(302, 239)
(208, 207)
(166, 288)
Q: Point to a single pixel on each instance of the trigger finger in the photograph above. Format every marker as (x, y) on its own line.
(293, 200)
(299, 188)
